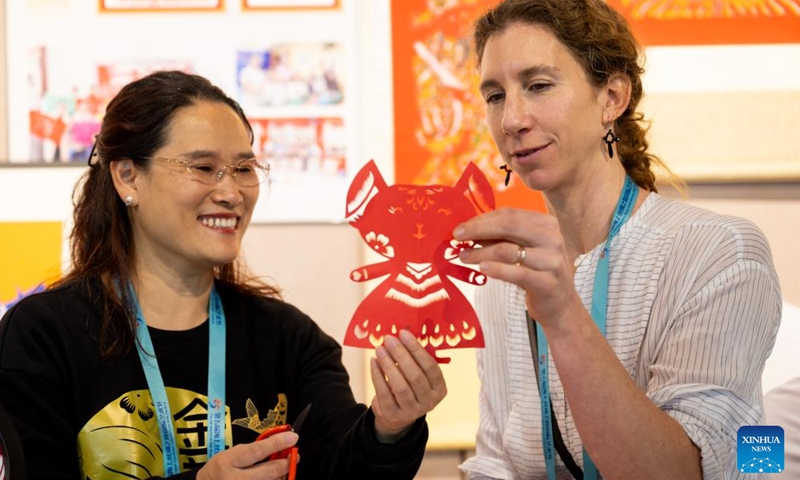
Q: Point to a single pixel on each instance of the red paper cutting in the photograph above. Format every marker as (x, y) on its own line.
(411, 226)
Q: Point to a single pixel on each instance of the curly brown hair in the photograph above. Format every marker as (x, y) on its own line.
(601, 40)
(135, 125)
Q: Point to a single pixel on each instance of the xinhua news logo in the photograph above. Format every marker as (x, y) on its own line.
(760, 449)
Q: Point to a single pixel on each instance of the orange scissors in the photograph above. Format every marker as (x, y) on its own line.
(291, 452)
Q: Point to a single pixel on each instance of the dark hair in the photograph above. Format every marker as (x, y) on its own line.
(135, 125)
(601, 40)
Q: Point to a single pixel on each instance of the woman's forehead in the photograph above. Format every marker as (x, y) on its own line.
(207, 126)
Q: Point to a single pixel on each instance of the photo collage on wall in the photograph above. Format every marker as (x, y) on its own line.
(292, 85)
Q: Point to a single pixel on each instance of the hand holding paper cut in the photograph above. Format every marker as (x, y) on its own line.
(411, 226)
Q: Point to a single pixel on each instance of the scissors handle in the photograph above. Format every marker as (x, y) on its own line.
(291, 453)
(293, 463)
(285, 453)
(274, 430)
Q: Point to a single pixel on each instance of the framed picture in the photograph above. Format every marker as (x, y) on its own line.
(291, 74)
(160, 5)
(305, 146)
(308, 158)
(289, 4)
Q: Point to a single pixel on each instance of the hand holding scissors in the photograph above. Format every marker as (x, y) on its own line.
(247, 460)
(292, 452)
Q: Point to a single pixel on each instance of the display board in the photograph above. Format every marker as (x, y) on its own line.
(292, 69)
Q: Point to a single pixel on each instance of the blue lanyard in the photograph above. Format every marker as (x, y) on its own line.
(627, 199)
(216, 383)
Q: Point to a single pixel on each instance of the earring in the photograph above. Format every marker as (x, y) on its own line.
(610, 139)
(129, 201)
(508, 173)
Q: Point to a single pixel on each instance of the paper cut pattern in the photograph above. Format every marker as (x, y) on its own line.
(411, 226)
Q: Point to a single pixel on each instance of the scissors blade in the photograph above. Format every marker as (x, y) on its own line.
(298, 422)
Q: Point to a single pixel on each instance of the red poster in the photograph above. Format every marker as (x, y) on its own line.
(438, 112)
(712, 22)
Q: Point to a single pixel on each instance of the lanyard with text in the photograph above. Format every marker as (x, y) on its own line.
(599, 304)
(216, 383)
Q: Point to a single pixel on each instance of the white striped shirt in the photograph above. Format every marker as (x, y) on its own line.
(693, 309)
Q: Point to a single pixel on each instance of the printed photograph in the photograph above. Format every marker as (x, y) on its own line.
(301, 147)
(291, 74)
(65, 115)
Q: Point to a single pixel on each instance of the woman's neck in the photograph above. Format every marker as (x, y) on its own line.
(172, 300)
(584, 209)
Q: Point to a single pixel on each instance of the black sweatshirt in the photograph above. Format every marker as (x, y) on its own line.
(80, 416)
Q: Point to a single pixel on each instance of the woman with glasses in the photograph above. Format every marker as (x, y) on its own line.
(157, 355)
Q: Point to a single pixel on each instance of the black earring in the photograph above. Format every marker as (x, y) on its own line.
(610, 139)
(508, 173)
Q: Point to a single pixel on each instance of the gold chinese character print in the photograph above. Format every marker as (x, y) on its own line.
(122, 440)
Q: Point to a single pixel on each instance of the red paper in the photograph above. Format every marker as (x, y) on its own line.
(411, 226)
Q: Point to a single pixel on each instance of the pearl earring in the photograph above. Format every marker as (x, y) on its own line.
(128, 201)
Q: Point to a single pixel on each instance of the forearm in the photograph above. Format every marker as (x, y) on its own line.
(612, 414)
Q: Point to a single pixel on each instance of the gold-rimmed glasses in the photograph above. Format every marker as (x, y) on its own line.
(247, 173)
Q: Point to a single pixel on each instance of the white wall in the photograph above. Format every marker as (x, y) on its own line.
(3, 89)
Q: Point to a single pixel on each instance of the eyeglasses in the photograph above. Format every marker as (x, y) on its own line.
(247, 173)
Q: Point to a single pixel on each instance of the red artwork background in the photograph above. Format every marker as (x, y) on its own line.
(438, 112)
(712, 22)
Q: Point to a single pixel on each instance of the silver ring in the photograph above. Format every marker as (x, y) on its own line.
(521, 254)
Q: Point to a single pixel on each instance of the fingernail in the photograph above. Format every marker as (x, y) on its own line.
(483, 267)
(381, 352)
(290, 438)
(407, 336)
(458, 232)
(390, 341)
